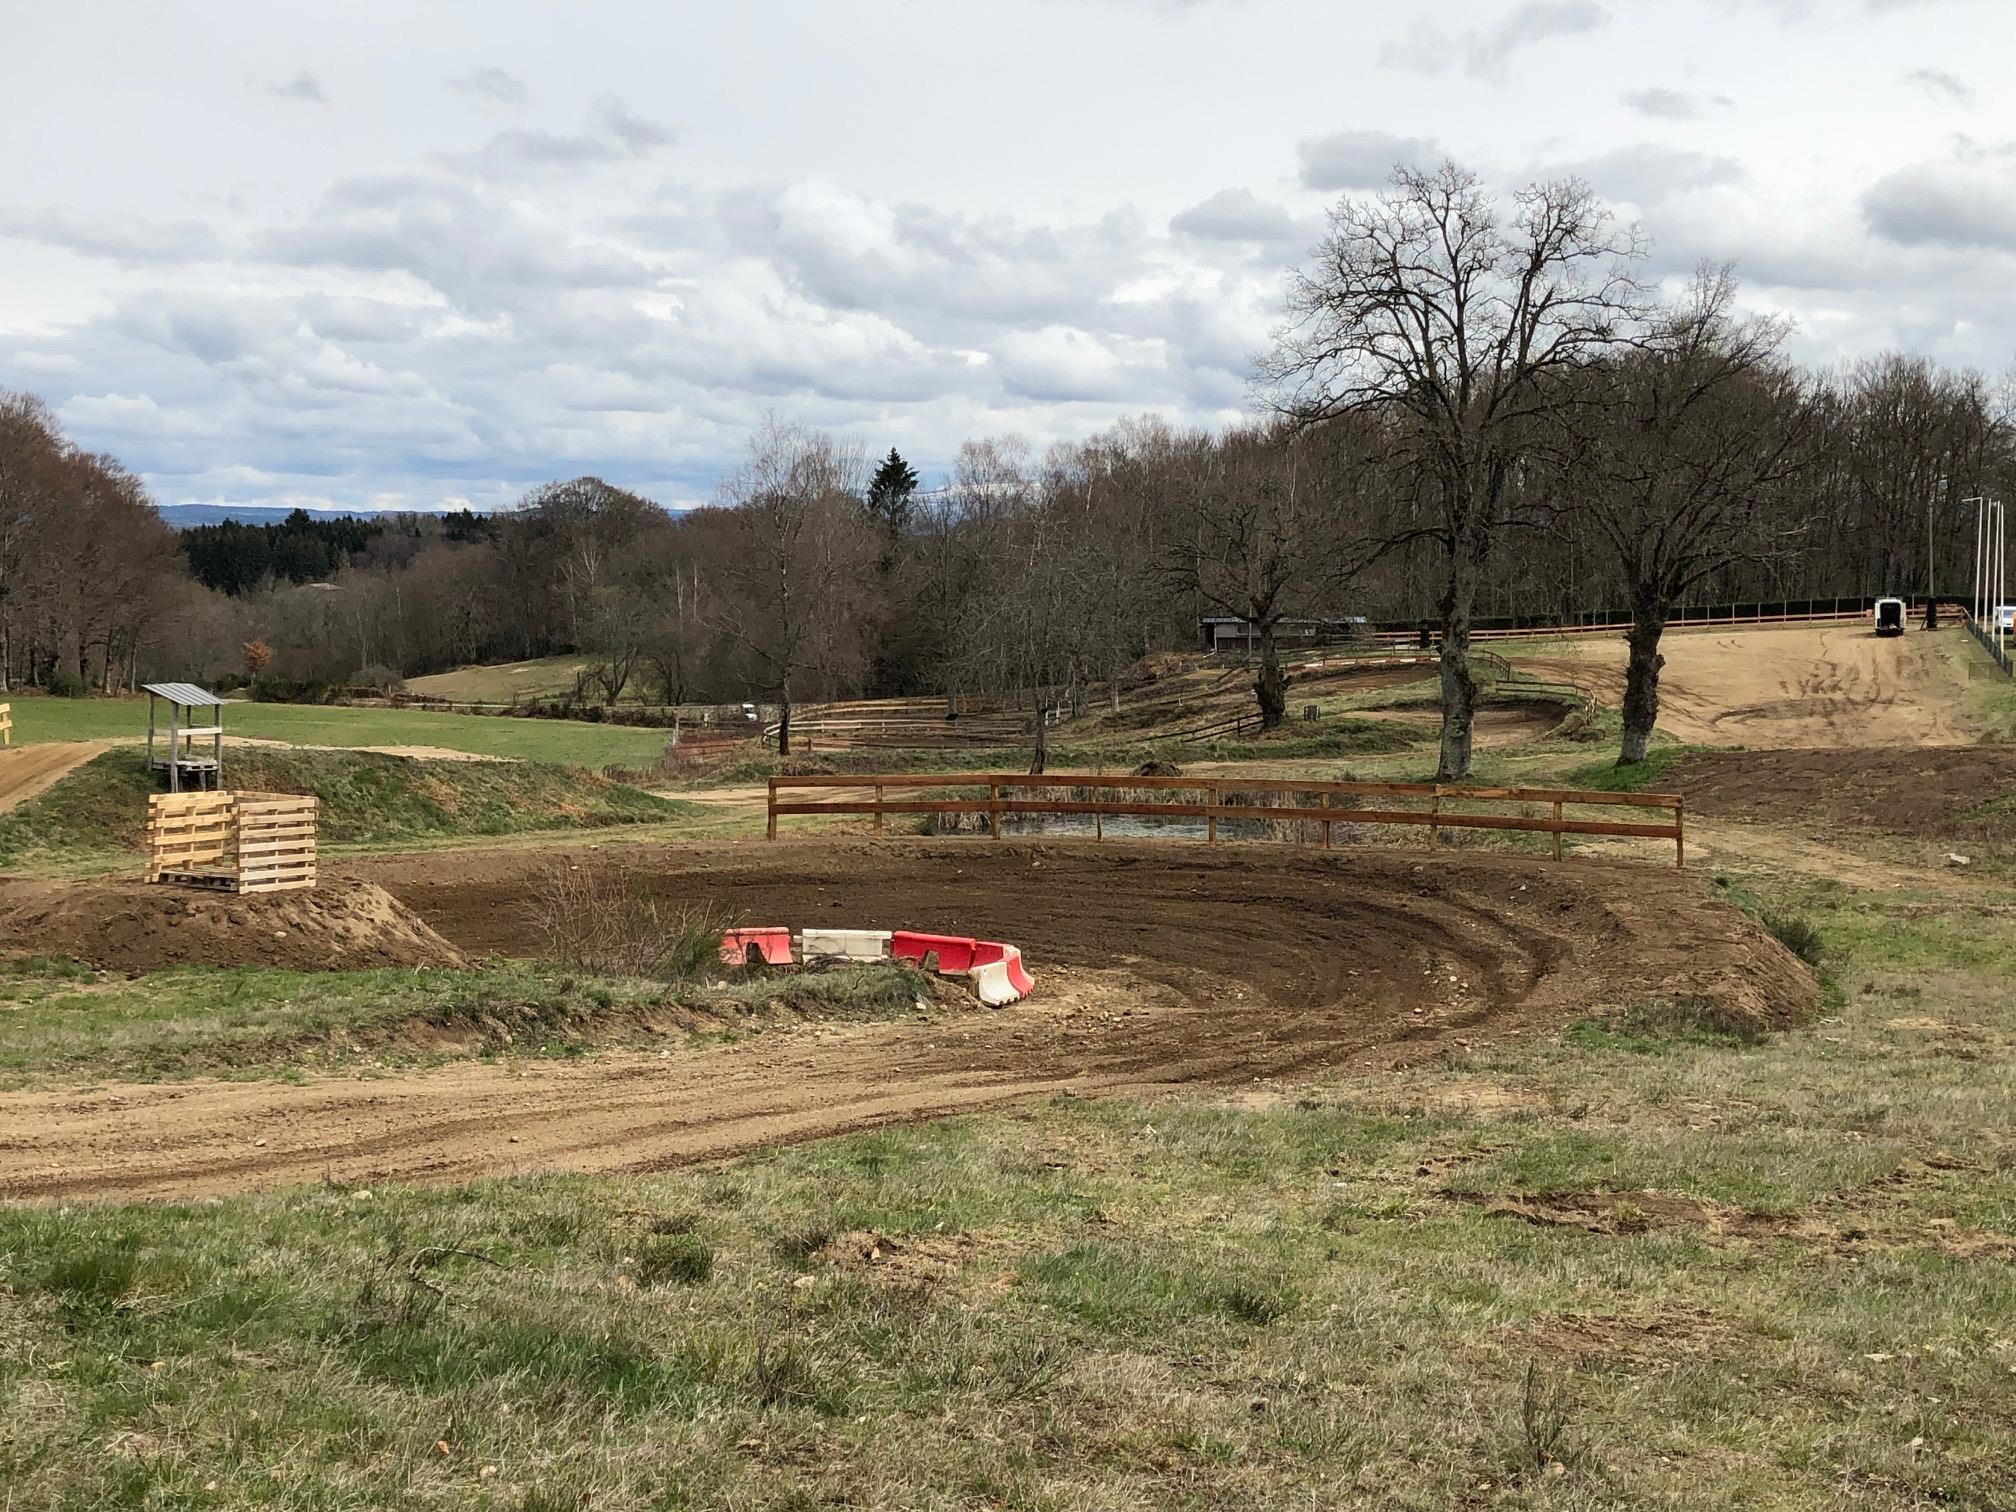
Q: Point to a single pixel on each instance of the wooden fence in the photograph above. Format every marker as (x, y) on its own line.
(1439, 813)
(6, 725)
(232, 842)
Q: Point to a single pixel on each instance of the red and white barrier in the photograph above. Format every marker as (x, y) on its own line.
(999, 975)
(996, 970)
(774, 945)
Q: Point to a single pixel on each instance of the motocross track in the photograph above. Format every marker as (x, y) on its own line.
(31, 769)
(1790, 687)
(1159, 965)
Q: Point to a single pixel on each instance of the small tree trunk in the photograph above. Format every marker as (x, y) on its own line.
(1271, 687)
(784, 721)
(1641, 680)
(1459, 687)
(1041, 757)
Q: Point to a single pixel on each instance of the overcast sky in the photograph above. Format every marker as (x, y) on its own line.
(406, 255)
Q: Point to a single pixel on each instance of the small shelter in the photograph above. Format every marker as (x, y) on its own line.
(187, 763)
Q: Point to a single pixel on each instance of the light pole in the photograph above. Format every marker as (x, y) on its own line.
(1980, 549)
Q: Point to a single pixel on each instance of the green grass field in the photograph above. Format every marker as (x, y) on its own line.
(556, 740)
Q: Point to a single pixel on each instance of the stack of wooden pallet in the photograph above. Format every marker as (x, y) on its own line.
(232, 842)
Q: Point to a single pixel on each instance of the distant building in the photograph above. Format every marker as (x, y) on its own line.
(1232, 632)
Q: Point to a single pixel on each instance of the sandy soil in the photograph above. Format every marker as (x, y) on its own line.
(31, 769)
(1789, 687)
(1159, 965)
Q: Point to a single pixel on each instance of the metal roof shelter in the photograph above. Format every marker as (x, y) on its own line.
(179, 759)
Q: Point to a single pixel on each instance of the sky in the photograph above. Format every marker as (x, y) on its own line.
(378, 255)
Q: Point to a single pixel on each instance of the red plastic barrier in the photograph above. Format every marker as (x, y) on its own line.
(774, 944)
(955, 954)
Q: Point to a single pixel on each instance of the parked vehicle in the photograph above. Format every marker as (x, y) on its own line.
(1889, 616)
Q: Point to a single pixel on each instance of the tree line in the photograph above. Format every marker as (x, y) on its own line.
(1473, 407)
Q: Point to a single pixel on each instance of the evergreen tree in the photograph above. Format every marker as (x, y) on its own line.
(889, 493)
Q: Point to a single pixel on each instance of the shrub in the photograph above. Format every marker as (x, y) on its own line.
(378, 676)
(595, 918)
(1796, 935)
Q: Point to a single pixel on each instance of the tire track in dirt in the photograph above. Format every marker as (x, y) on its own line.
(1159, 965)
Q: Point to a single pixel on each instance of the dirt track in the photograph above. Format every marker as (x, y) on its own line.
(1792, 687)
(1159, 965)
(31, 769)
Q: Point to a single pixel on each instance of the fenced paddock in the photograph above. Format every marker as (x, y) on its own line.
(1436, 806)
(232, 842)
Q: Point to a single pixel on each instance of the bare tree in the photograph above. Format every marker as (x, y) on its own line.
(1426, 306)
(1262, 544)
(801, 559)
(1019, 629)
(1680, 463)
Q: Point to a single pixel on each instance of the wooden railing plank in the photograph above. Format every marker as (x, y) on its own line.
(1447, 803)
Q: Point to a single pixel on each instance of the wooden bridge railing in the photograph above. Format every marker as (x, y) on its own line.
(995, 792)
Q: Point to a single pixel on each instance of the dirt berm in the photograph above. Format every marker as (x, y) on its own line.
(342, 925)
(1159, 966)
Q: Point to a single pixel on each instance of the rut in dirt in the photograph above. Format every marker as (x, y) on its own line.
(1160, 966)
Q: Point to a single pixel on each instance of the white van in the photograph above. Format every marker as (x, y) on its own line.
(1889, 616)
(2005, 619)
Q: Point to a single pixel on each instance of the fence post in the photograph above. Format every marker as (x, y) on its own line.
(770, 831)
(1435, 830)
(1557, 829)
(1680, 834)
(994, 808)
(878, 808)
(1327, 806)
(1211, 813)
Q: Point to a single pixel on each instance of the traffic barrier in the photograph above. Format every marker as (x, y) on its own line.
(773, 944)
(955, 953)
(999, 975)
(996, 970)
(847, 944)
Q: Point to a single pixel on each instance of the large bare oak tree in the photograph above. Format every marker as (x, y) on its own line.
(1432, 307)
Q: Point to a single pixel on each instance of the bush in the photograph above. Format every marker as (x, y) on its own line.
(594, 918)
(380, 677)
(1796, 935)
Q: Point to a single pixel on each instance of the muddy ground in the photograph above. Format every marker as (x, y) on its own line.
(341, 925)
(1961, 794)
(1159, 966)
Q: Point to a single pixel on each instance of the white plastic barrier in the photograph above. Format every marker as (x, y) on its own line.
(1003, 980)
(847, 944)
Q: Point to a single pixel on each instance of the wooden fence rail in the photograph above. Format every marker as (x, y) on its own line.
(1212, 807)
(6, 725)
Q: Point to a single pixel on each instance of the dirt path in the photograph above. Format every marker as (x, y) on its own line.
(31, 769)
(1159, 965)
(1791, 686)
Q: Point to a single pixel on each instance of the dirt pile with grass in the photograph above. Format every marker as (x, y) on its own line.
(368, 797)
(130, 926)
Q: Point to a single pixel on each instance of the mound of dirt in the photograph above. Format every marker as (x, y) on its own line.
(1944, 793)
(130, 926)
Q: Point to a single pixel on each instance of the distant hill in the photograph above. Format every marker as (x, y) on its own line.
(183, 516)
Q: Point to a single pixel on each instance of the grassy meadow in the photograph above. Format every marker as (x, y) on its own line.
(566, 742)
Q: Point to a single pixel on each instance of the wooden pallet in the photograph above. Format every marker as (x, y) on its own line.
(232, 842)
